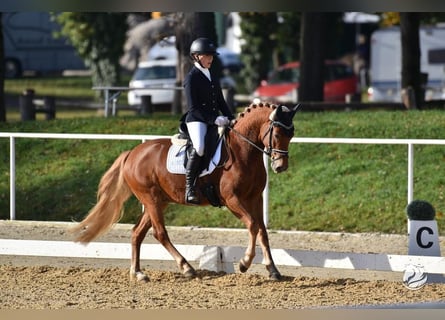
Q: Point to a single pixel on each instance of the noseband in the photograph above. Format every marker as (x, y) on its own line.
(270, 149)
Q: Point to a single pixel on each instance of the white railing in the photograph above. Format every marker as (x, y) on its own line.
(13, 135)
(409, 142)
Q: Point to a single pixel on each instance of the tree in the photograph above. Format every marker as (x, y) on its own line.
(312, 56)
(259, 30)
(410, 43)
(99, 39)
(144, 32)
(288, 37)
(2, 76)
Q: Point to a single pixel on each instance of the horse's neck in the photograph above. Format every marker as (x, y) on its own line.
(246, 151)
(252, 129)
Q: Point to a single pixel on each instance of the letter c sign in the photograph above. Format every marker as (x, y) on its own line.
(419, 237)
(423, 238)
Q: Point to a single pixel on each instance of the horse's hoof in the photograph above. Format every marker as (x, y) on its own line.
(275, 276)
(139, 276)
(242, 267)
(190, 273)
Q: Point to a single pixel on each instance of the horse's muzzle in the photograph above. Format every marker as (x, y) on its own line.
(279, 165)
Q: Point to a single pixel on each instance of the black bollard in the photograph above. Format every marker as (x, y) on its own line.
(26, 104)
(146, 106)
(49, 108)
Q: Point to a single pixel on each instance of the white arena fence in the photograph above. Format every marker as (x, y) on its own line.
(221, 258)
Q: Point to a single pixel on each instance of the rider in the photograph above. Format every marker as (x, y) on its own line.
(205, 102)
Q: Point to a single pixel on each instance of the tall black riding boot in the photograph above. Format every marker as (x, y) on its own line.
(191, 174)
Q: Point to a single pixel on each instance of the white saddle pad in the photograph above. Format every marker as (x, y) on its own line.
(175, 160)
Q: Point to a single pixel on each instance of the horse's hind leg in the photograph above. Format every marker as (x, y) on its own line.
(137, 236)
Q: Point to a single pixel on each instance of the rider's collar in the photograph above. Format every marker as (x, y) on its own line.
(203, 70)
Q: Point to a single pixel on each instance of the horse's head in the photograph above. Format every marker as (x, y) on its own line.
(278, 135)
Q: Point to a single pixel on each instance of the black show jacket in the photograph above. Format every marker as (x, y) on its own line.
(205, 100)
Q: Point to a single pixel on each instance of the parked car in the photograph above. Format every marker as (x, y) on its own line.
(156, 73)
(157, 78)
(282, 83)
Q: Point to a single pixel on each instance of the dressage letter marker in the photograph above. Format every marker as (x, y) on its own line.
(422, 229)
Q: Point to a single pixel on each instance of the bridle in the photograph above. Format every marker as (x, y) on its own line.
(270, 149)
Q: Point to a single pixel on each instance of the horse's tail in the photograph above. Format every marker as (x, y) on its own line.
(113, 191)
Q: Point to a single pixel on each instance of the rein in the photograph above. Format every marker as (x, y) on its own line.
(269, 150)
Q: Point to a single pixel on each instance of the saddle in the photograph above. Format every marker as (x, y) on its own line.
(212, 140)
(181, 148)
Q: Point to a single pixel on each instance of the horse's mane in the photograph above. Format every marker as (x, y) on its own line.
(254, 106)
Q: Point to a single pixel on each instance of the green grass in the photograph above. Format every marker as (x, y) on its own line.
(78, 87)
(328, 187)
(62, 87)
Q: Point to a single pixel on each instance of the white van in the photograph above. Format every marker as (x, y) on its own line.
(160, 74)
(386, 63)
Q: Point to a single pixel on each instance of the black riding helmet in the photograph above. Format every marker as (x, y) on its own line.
(203, 46)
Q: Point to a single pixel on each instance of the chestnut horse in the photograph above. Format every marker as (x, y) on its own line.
(239, 182)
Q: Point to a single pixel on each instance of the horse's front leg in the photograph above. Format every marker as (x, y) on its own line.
(160, 234)
(137, 236)
(274, 274)
(255, 225)
(246, 261)
(242, 212)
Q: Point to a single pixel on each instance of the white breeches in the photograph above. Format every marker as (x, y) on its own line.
(197, 132)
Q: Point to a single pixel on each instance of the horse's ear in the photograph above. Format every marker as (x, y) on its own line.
(295, 109)
(279, 110)
(274, 115)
